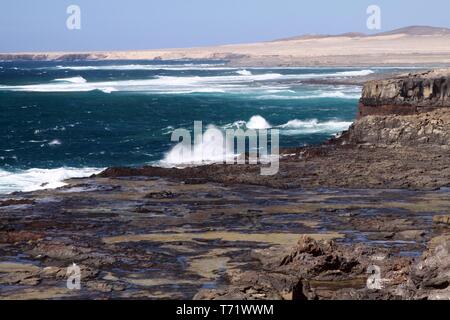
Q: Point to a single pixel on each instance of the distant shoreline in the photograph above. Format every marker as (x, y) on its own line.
(412, 46)
(233, 63)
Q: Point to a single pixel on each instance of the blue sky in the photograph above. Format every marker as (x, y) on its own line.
(40, 25)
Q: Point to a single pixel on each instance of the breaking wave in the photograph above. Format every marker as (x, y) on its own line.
(293, 127)
(131, 67)
(212, 149)
(297, 126)
(244, 72)
(336, 92)
(75, 80)
(243, 81)
(258, 122)
(355, 73)
(157, 84)
(255, 122)
(38, 179)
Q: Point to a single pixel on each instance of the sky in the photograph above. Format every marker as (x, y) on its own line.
(40, 25)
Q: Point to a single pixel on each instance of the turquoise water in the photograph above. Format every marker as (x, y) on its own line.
(62, 119)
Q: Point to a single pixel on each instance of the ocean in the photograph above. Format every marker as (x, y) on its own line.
(72, 119)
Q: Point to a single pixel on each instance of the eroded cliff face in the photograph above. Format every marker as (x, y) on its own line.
(406, 94)
(407, 110)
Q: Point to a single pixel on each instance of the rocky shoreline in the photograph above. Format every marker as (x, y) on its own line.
(374, 201)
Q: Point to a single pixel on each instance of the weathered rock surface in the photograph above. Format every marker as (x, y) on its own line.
(162, 238)
(407, 94)
(442, 219)
(430, 278)
(314, 270)
(430, 128)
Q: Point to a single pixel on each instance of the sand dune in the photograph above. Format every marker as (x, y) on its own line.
(406, 46)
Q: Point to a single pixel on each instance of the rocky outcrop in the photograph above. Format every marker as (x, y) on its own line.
(313, 270)
(430, 278)
(406, 94)
(431, 128)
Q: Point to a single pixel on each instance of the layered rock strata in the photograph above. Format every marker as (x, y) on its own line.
(406, 94)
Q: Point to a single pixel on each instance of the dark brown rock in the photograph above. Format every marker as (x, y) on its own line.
(406, 94)
(15, 202)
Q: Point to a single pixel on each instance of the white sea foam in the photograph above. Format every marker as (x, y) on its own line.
(280, 91)
(156, 84)
(213, 149)
(258, 122)
(293, 127)
(297, 126)
(318, 94)
(37, 179)
(55, 142)
(339, 94)
(244, 72)
(195, 66)
(186, 91)
(107, 89)
(242, 82)
(130, 67)
(355, 73)
(255, 122)
(77, 79)
(211, 67)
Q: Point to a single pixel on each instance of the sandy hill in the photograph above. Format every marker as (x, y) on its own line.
(410, 31)
(414, 45)
(419, 31)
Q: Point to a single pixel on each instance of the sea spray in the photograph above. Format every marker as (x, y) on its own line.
(37, 179)
(213, 146)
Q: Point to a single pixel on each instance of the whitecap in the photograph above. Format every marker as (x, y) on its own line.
(355, 73)
(244, 72)
(257, 122)
(54, 142)
(297, 126)
(107, 89)
(154, 85)
(37, 179)
(131, 67)
(320, 94)
(77, 79)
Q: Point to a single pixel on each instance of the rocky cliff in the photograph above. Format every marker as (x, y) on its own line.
(406, 110)
(406, 94)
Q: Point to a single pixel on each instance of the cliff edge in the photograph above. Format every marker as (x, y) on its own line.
(406, 94)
